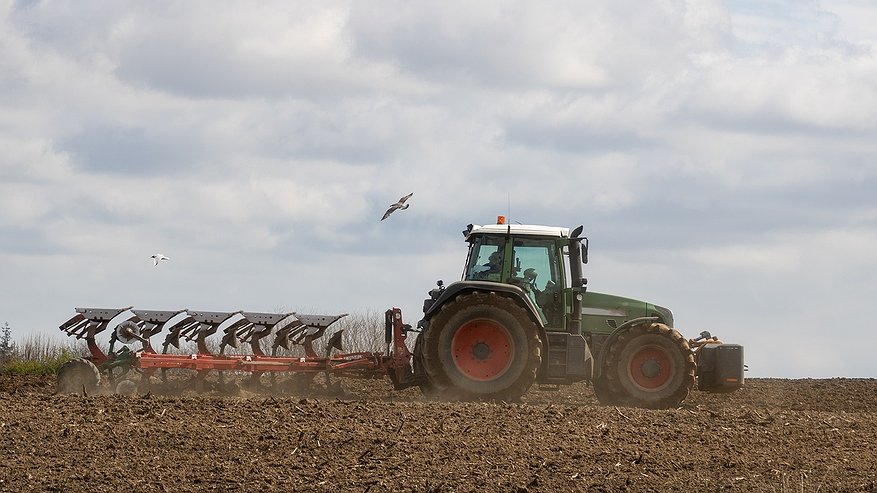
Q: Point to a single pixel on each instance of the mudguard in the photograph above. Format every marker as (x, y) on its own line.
(452, 290)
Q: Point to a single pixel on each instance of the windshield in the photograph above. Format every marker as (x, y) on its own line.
(530, 258)
(485, 259)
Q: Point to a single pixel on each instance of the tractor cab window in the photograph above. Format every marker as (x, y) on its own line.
(536, 269)
(536, 262)
(566, 265)
(486, 259)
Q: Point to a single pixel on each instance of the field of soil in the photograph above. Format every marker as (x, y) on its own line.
(773, 435)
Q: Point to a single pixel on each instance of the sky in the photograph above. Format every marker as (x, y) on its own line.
(720, 155)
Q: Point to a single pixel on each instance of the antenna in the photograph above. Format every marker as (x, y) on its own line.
(508, 213)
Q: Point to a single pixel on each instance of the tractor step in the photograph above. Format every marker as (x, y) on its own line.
(569, 358)
(548, 387)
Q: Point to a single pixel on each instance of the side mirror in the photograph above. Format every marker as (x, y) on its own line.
(585, 251)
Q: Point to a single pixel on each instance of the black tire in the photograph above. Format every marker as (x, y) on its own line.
(604, 394)
(481, 346)
(77, 376)
(427, 387)
(649, 365)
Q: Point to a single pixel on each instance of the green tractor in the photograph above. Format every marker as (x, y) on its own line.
(522, 315)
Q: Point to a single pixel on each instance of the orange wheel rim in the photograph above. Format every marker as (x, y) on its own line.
(650, 367)
(482, 349)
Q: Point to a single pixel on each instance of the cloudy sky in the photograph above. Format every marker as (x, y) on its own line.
(720, 154)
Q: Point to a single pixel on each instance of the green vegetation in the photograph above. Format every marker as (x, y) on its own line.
(36, 355)
(31, 367)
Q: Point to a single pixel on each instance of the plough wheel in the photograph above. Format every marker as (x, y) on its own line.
(649, 365)
(77, 376)
(126, 387)
(481, 346)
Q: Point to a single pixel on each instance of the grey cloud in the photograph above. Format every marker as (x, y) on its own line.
(693, 212)
(521, 45)
(575, 138)
(70, 27)
(771, 121)
(352, 132)
(198, 68)
(121, 149)
(26, 241)
(270, 50)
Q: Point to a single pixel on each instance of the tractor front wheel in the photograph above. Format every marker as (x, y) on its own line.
(604, 394)
(649, 365)
(481, 346)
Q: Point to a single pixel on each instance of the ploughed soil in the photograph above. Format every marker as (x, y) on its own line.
(772, 435)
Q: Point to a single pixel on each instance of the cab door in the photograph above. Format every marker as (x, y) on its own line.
(536, 268)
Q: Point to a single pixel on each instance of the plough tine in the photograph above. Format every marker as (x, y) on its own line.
(153, 322)
(176, 330)
(263, 325)
(314, 328)
(88, 323)
(281, 338)
(233, 334)
(75, 326)
(208, 323)
(190, 331)
(334, 342)
(87, 317)
(319, 321)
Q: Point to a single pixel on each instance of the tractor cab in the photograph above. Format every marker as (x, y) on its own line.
(534, 258)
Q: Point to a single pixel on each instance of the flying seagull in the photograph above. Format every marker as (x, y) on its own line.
(157, 258)
(398, 205)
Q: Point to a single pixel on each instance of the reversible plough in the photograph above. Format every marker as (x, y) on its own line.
(134, 369)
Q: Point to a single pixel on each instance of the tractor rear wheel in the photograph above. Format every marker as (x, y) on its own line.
(649, 365)
(481, 346)
(427, 387)
(77, 376)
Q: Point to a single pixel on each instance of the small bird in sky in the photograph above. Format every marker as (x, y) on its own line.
(400, 205)
(158, 258)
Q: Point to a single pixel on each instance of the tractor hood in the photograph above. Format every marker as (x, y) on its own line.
(600, 312)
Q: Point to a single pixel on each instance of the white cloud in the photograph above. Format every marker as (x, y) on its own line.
(755, 257)
(718, 153)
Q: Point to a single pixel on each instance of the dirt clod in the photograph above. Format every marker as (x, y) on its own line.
(773, 435)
